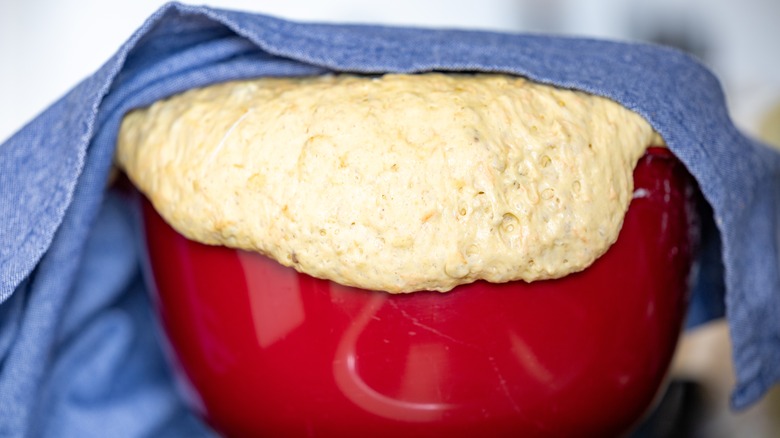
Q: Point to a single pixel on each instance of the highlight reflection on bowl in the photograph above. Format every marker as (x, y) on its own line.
(271, 352)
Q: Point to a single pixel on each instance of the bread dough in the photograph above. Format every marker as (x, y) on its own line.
(397, 182)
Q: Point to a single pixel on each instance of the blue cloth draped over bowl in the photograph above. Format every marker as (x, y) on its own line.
(78, 355)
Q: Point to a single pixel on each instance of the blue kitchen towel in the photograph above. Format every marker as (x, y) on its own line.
(77, 355)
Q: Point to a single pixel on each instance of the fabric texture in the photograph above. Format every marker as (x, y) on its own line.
(77, 349)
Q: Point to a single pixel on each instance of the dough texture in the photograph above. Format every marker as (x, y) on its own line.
(397, 182)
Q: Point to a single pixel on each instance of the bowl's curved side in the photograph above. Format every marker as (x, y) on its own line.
(270, 351)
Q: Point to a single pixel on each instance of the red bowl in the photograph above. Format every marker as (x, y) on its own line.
(266, 351)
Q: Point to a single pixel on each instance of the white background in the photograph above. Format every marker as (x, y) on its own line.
(48, 46)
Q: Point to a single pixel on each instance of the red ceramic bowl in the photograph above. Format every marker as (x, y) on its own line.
(266, 351)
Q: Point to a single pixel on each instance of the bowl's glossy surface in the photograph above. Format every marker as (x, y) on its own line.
(270, 352)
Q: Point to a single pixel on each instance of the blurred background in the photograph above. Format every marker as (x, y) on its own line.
(48, 46)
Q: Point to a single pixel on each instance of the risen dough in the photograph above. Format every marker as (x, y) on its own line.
(397, 183)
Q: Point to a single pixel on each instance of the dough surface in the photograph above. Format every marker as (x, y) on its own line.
(397, 183)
